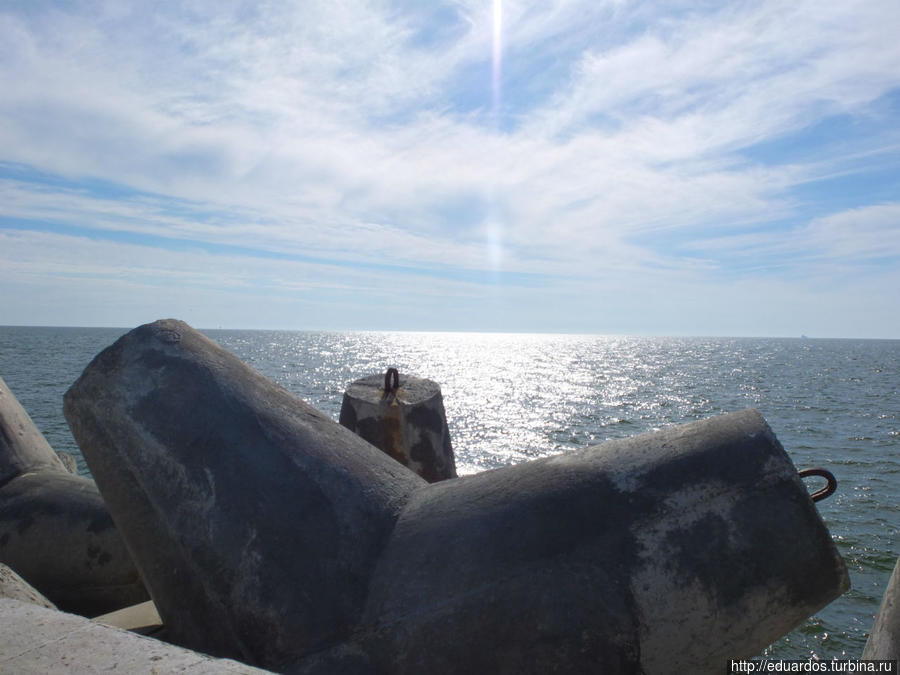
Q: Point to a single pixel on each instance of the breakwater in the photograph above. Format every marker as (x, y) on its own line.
(511, 398)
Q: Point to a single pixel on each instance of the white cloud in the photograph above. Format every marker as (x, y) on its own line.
(360, 132)
(825, 252)
(857, 234)
(64, 280)
(734, 77)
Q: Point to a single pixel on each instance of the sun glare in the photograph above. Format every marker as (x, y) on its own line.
(497, 55)
(494, 240)
(495, 245)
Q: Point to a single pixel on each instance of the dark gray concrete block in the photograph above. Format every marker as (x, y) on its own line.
(55, 530)
(667, 552)
(57, 533)
(407, 422)
(884, 640)
(255, 520)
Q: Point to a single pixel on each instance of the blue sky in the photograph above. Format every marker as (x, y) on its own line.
(674, 168)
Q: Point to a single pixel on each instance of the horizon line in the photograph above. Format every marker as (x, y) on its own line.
(475, 332)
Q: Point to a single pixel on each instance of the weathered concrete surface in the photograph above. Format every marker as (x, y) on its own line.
(68, 461)
(255, 520)
(407, 422)
(884, 640)
(55, 530)
(15, 587)
(268, 532)
(23, 447)
(667, 552)
(38, 640)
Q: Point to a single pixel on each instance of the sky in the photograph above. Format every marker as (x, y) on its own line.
(596, 166)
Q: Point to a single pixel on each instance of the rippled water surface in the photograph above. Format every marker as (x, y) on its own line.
(510, 398)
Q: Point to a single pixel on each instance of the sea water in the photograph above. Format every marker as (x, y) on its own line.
(510, 398)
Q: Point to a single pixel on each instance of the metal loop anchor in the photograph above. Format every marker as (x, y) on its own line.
(829, 488)
(388, 385)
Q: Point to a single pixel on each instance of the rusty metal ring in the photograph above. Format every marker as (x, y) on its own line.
(829, 488)
(388, 385)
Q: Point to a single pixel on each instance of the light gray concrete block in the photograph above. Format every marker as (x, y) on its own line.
(39, 640)
(23, 447)
(884, 640)
(15, 587)
(142, 616)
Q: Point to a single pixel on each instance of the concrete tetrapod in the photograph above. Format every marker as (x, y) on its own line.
(255, 520)
(55, 530)
(884, 640)
(268, 532)
(668, 552)
(23, 448)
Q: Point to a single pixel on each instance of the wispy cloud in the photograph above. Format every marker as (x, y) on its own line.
(857, 236)
(657, 146)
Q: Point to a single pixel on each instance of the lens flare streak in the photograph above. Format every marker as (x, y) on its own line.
(497, 56)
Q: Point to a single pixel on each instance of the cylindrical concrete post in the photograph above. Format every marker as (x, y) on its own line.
(404, 417)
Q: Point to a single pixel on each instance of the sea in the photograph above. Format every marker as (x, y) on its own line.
(510, 398)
